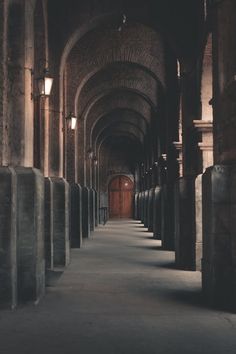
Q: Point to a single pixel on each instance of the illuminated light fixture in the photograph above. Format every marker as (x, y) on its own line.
(71, 121)
(126, 184)
(90, 153)
(124, 21)
(45, 83)
(95, 160)
(156, 163)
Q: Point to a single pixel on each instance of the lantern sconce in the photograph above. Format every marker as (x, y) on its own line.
(44, 83)
(95, 160)
(90, 153)
(71, 120)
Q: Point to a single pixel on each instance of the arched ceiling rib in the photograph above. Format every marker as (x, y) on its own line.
(122, 117)
(122, 101)
(118, 76)
(120, 128)
(136, 44)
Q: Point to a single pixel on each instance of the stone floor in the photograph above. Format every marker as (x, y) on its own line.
(121, 294)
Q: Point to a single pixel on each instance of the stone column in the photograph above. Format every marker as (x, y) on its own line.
(157, 214)
(85, 212)
(206, 147)
(219, 200)
(150, 209)
(92, 209)
(76, 216)
(57, 207)
(185, 233)
(8, 237)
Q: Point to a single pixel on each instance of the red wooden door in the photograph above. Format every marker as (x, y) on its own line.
(121, 197)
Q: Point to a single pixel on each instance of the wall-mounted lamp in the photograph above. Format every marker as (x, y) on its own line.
(71, 120)
(90, 153)
(95, 160)
(123, 23)
(44, 83)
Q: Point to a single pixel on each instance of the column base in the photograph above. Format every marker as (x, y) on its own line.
(22, 262)
(57, 207)
(157, 214)
(219, 240)
(8, 236)
(85, 212)
(185, 236)
(76, 216)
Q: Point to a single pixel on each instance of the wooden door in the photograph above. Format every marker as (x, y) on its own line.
(121, 197)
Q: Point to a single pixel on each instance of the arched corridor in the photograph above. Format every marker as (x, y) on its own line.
(117, 174)
(120, 294)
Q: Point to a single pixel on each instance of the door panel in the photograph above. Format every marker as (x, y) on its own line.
(121, 197)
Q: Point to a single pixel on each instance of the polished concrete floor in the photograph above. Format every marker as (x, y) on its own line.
(120, 295)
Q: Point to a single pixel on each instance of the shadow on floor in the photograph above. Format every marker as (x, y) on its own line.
(151, 248)
(52, 277)
(191, 297)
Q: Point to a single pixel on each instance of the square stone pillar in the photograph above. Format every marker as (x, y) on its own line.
(86, 212)
(96, 209)
(150, 209)
(185, 236)
(92, 208)
(76, 216)
(22, 261)
(8, 215)
(136, 206)
(157, 213)
(167, 217)
(57, 208)
(30, 234)
(145, 221)
(219, 235)
(205, 127)
(142, 206)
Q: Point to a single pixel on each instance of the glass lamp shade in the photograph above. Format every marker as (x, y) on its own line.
(95, 160)
(45, 84)
(90, 153)
(48, 81)
(71, 121)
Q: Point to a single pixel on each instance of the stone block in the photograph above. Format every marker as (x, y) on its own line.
(96, 209)
(57, 207)
(219, 258)
(167, 217)
(150, 209)
(85, 212)
(157, 214)
(30, 234)
(76, 216)
(142, 207)
(92, 209)
(136, 206)
(145, 221)
(185, 231)
(8, 266)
